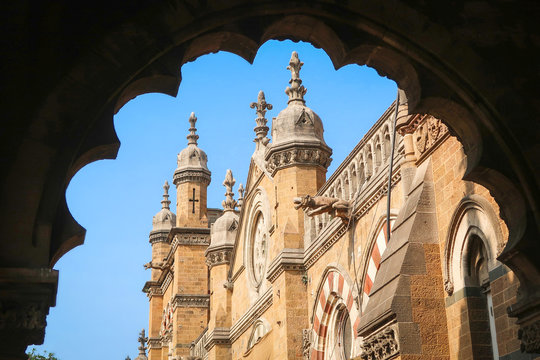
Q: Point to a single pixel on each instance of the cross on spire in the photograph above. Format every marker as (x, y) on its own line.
(192, 137)
(193, 201)
(296, 91)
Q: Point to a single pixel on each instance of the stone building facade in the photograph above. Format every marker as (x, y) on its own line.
(301, 266)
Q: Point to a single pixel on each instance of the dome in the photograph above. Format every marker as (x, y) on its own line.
(192, 158)
(224, 228)
(164, 220)
(297, 124)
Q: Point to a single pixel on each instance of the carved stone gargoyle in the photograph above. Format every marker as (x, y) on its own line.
(322, 204)
(158, 266)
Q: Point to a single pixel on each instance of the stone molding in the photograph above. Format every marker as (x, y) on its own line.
(154, 343)
(158, 236)
(307, 340)
(286, 260)
(218, 256)
(295, 155)
(191, 239)
(251, 315)
(28, 316)
(381, 345)
(411, 124)
(218, 336)
(191, 176)
(191, 300)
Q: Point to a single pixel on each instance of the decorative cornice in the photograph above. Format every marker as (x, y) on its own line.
(412, 124)
(297, 155)
(157, 236)
(154, 343)
(28, 316)
(218, 336)
(382, 345)
(188, 236)
(199, 176)
(191, 300)
(253, 313)
(219, 255)
(286, 260)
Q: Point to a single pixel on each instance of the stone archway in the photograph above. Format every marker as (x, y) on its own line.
(71, 67)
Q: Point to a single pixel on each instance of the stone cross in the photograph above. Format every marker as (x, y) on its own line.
(193, 201)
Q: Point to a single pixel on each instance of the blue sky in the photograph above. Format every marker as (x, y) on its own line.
(100, 307)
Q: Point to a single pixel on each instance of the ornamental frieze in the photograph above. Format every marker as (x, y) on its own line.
(218, 257)
(380, 346)
(429, 134)
(198, 301)
(305, 156)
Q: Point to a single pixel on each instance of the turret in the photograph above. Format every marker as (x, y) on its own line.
(192, 178)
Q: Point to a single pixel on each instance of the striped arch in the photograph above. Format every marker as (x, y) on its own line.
(335, 292)
(373, 261)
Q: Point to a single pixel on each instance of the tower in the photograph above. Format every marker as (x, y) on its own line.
(189, 299)
(162, 223)
(192, 178)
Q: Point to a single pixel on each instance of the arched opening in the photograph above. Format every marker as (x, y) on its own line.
(125, 63)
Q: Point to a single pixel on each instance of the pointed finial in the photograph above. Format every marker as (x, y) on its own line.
(296, 91)
(128, 358)
(229, 203)
(240, 195)
(192, 137)
(142, 339)
(165, 202)
(261, 106)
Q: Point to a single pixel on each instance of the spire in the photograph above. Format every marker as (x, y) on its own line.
(142, 339)
(165, 202)
(192, 137)
(229, 203)
(240, 195)
(296, 91)
(261, 106)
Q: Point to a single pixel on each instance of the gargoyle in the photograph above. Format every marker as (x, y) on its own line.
(158, 266)
(322, 204)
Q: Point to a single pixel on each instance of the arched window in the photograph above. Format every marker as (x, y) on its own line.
(387, 144)
(470, 256)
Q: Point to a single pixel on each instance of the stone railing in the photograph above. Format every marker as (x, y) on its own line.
(197, 349)
(362, 169)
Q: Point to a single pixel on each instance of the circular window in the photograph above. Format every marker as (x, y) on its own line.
(259, 247)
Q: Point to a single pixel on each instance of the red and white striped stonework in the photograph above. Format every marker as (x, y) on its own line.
(335, 291)
(375, 261)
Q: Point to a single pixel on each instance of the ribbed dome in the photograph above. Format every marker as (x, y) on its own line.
(224, 228)
(192, 158)
(297, 124)
(164, 220)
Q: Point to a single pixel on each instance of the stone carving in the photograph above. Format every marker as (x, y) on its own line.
(25, 316)
(381, 346)
(229, 285)
(296, 91)
(166, 321)
(306, 343)
(142, 348)
(448, 287)
(158, 266)
(428, 133)
(304, 156)
(190, 239)
(218, 257)
(322, 204)
(229, 203)
(240, 195)
(261, 130)
(186, 300)
(530, 337)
